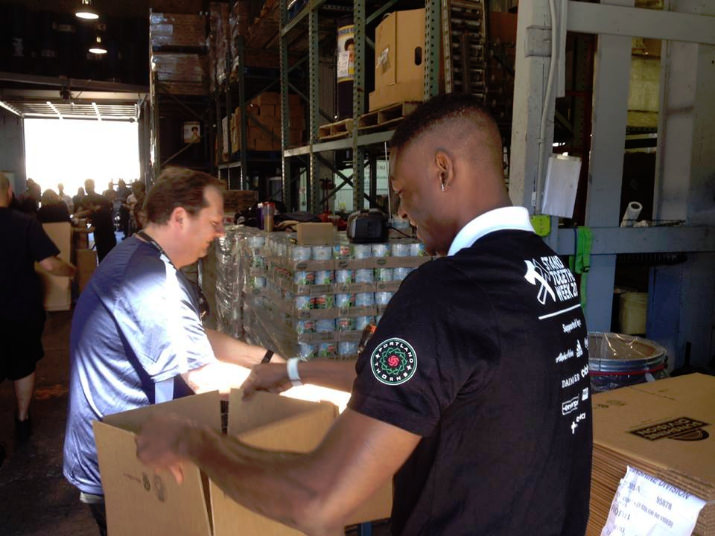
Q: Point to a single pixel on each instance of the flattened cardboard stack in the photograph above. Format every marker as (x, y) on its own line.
(665, 429)
(141, 502)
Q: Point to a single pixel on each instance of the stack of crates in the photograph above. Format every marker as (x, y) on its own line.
(315, 301)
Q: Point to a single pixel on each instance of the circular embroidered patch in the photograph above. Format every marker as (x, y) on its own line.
(393, 361)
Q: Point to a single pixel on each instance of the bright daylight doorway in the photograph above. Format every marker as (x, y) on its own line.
(69, 151)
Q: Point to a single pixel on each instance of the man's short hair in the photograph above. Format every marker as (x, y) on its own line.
(436, 111)
(178, 187)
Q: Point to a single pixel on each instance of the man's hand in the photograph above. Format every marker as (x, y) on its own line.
(162, 444)
(271, 377)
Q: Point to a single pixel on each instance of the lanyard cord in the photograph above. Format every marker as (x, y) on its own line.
(150, 240)
(203, 302)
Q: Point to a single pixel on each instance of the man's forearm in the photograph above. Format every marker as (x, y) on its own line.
(328, 373)
(231, 350)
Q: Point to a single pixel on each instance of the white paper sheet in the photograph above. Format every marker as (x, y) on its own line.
(644, 504)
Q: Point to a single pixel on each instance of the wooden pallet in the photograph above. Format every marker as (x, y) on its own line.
(337, 130)
(386, 117)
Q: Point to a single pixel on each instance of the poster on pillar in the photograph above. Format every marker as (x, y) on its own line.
(561, 185)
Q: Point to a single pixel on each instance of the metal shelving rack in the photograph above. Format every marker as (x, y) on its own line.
(358, 143)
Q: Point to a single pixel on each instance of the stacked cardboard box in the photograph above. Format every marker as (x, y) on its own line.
(664, 429)
(218, 42)
(181, 73)
(263, 127)
(177, 30)
(315, 300)
(139, 501)
(399, 59)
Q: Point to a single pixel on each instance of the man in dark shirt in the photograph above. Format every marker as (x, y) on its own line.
(473, 392)
(22, 316)
(99, 210)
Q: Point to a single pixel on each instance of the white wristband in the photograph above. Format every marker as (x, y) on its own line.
(292, 369)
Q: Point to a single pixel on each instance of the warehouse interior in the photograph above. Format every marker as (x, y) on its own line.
(605, 111)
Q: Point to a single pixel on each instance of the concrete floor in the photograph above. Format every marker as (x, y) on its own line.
(35, 499)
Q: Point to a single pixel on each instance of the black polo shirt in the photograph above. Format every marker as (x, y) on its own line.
(22, 242)
(484, 355)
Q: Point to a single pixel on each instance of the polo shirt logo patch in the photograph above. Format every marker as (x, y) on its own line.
(552, 278)
(393, 361)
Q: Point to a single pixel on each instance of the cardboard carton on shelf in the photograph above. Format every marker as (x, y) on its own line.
(141, 502)
(399, 59)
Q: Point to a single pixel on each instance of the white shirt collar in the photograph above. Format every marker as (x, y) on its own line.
(499, 219)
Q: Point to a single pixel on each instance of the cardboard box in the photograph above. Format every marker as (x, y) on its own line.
(315, 234)
(86, 265)
(58, 295)
(141, 502)
(269, 97)
(664, 428)
(399, 58)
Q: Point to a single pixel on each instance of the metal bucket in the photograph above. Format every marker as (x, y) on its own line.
(617, 360)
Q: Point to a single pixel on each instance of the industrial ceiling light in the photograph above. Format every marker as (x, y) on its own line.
(86, 10)
(98, 47)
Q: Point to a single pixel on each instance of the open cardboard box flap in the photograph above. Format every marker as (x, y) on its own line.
(140, 502)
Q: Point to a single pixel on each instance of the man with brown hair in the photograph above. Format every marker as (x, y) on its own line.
(22, 316)
(471, 392)
(137, 337)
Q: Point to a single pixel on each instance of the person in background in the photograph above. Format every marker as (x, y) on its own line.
(22, 315)
(137, 337)
(99, 210)
(52, 208)
(135, 205)
(77, 199)
(471, 392)
(109, 194)
(67, 199)
(123, 192)
(29, 202)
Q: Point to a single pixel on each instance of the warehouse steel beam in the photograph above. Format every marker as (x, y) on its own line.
(608, 134)
(685, 167)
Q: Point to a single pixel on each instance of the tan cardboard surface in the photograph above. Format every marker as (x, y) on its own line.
(138, 500)
(397, 38)
(660, 404)
(315, 234)
(57, 288)
(273, 423)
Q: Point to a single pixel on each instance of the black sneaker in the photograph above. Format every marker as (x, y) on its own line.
(23, 430)
(2, 454)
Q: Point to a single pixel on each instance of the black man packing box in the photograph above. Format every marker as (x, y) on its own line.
(140, 501)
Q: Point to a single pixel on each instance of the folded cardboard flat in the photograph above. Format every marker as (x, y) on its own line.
(141, 502)
(664, 428)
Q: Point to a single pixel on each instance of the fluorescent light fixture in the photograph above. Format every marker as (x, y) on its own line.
(98, 47)
(86, 11)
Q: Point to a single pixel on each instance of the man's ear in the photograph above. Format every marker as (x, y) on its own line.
(445, 169)
(178, 217)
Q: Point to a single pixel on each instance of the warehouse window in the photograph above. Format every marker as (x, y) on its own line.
(72, 150)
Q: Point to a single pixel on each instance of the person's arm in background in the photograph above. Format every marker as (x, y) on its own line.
(57, 266)
(231, 350)
(273, 378)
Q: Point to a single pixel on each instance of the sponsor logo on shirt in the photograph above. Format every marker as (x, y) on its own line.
(552, 279)
(569, 405)
(393, 361)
